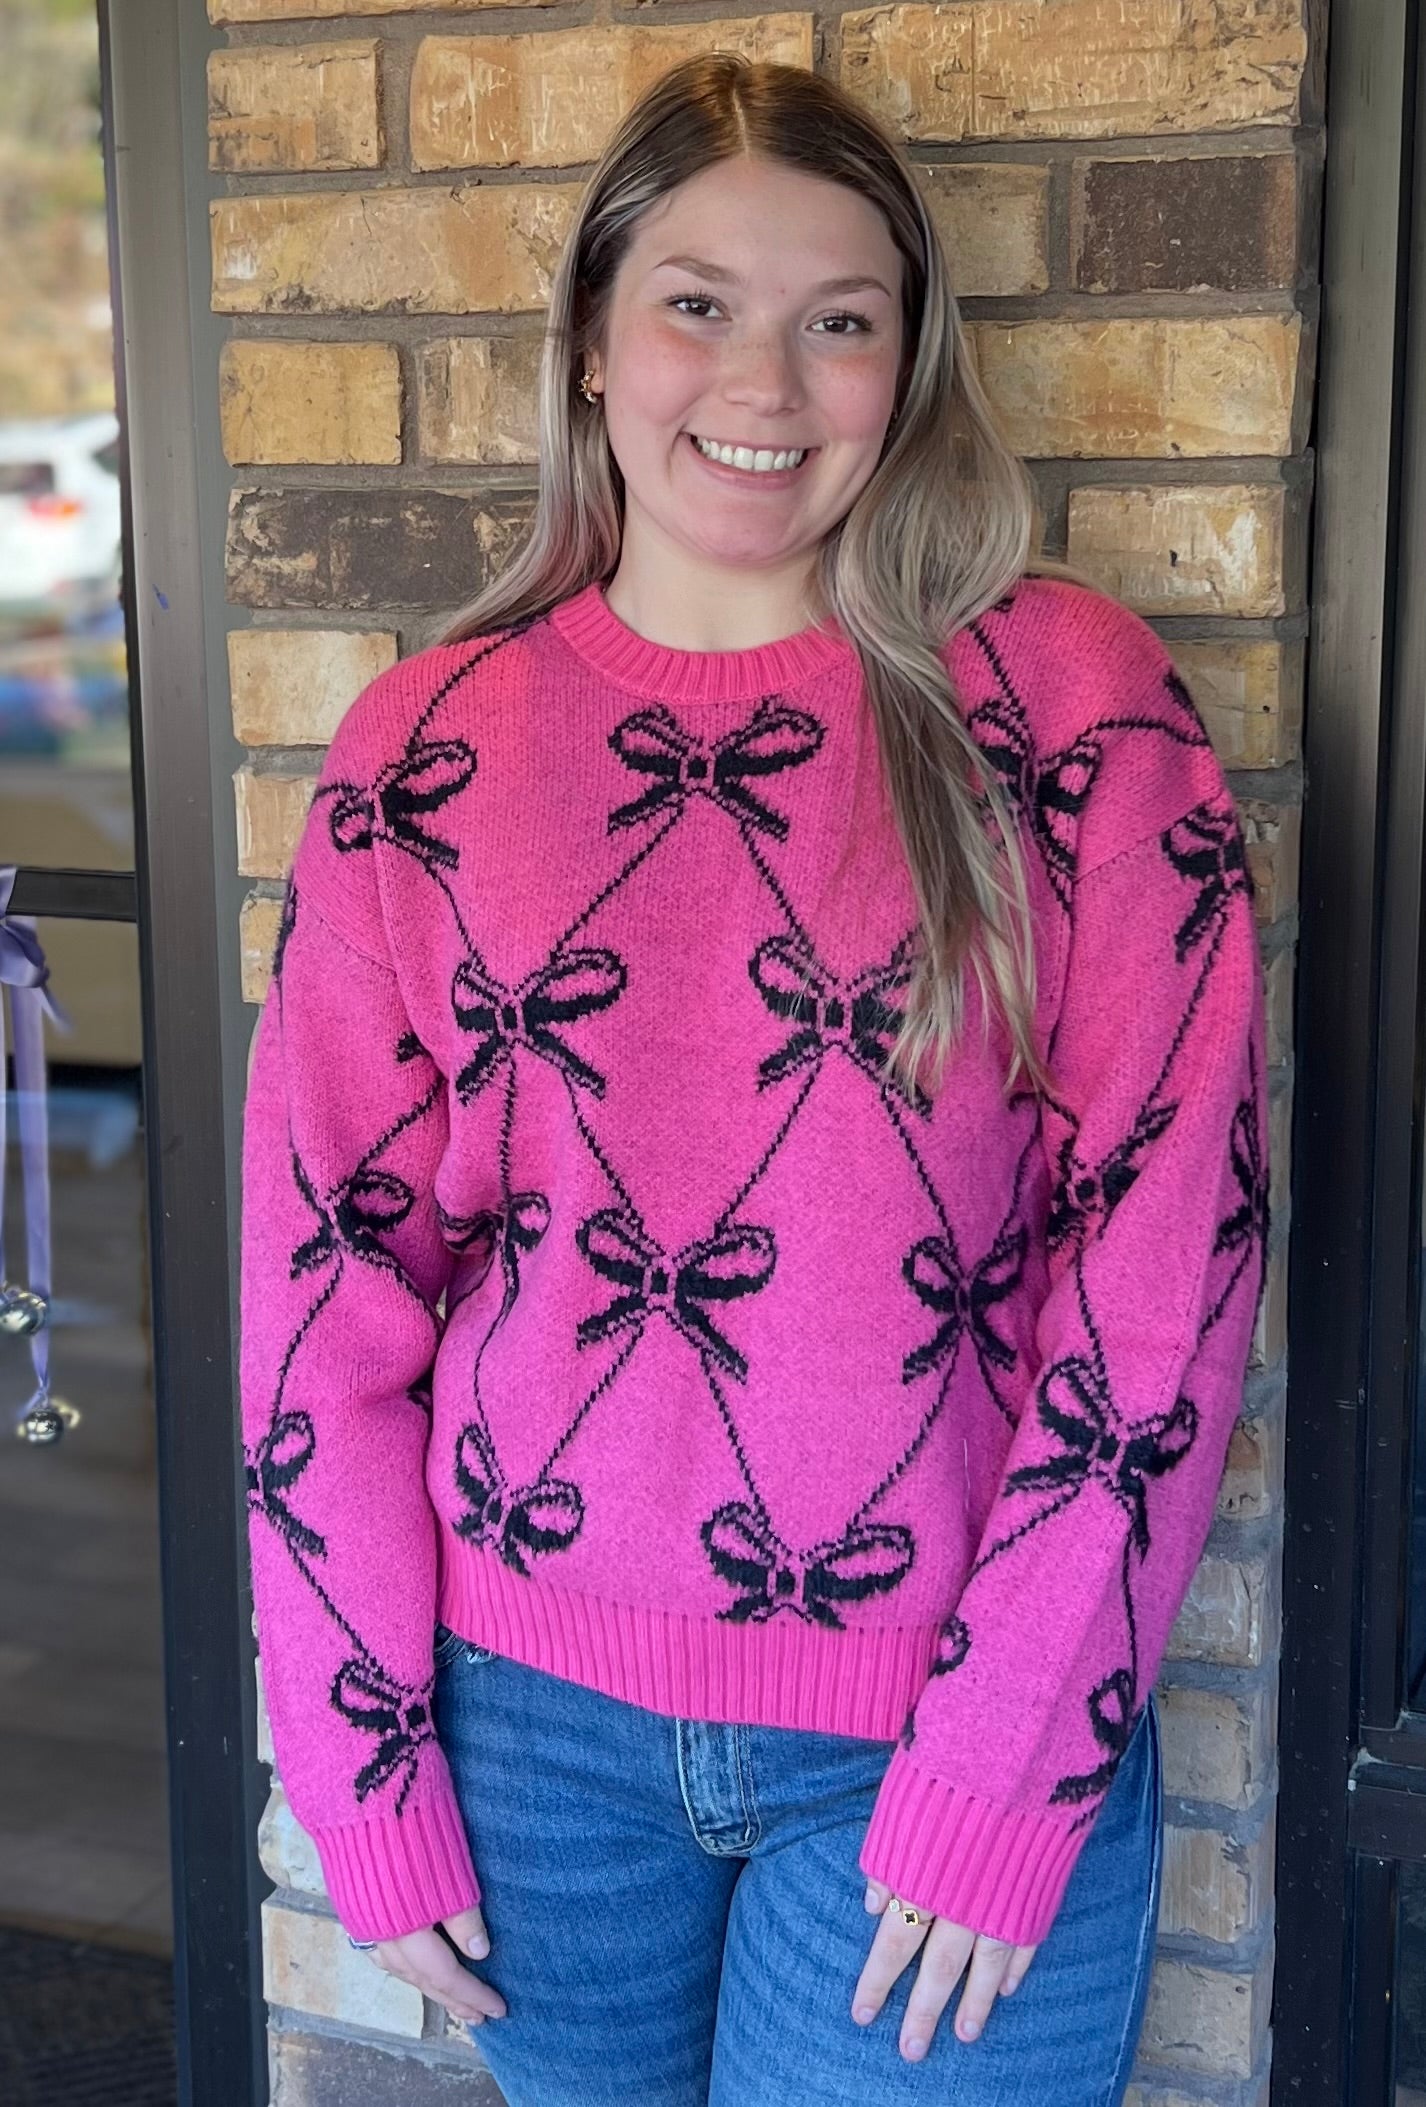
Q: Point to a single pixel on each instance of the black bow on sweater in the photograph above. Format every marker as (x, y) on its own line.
(404, 792)
(398, 1714)
(1206, 847)
(964, 1300)
(273, 1469)
(952, 1646)
(518, 1521)
(743, 1549)
(1087, 1194)
(856, 1015)
(737, 1261)
(368, 1206)
(1112, 1717)
(1075, 1405)
(653, 742)
(1050, 792)
(571, 984)
(512, 1229)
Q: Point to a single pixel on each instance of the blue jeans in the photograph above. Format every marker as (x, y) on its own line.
(675, 1913)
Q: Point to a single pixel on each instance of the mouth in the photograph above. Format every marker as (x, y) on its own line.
(748, 472)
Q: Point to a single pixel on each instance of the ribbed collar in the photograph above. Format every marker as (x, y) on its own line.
(591, 628)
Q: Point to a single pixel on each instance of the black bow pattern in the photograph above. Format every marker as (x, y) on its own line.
(952, 1646)
(1206, 846)
(964, 1301)
(737, 1261)
(365, 1208)
(1247, 1224)
(1074, 1404)
(397, 1713)
(569, 985)
(1111, 1715)
(744, 1549)
(520, 1522)
(1087, 1194)
(1050, 792)
(854, 1015)
(273, 1468)
(395, 807)
(512, 1229)
(653, 742)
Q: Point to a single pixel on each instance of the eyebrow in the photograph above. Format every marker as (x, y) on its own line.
(702, 269)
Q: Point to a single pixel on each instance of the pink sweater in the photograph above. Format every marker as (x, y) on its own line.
(601, 1301)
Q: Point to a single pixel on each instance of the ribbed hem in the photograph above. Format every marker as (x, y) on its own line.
(784, 1673)
(1000, 1870)
(590, 627)
(399, 1872)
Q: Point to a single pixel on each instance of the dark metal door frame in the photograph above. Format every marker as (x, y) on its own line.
(1352, 1803)
(208, 1651)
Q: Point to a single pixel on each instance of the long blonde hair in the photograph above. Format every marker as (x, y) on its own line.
(940, 531)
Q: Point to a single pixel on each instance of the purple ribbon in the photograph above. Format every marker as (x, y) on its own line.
(24, 977)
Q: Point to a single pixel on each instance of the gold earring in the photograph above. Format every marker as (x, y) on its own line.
(584, 388)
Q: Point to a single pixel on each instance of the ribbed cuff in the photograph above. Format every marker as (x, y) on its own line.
(1000, 1870)
(399, 1872)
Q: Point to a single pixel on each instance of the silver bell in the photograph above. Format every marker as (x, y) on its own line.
(46, 1420)
(21, 1310)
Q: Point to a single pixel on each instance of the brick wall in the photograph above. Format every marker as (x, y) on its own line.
(1130, 201)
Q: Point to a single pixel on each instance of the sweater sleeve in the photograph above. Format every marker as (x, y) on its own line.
(342, 1270)
(1155, 1142)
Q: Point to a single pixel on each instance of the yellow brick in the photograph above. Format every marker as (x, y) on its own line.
(292, 687)
(1273, 838)
(1214, 1886)
(258, 923)
(1077, 69)
(547, 100)
(477, 399)
(308, 1966)
(1204, 548)
(1218, 1745)
(1252, 1474)
(482, 247)
(1230, 1614)
(1250, 697)
(294, 106)
(326, 10)
(1280, 986)
(280, 400)
(1208, 2021)
(992, 220)
(1270, 1325)
(270, 811)
(1134, 388)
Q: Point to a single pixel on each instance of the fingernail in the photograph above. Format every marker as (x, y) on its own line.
(864, 2013)
(478, 1947)
(869, 1900)
(915, 2048)
(968, 2030)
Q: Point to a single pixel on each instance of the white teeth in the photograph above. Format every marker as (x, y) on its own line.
(744, 456)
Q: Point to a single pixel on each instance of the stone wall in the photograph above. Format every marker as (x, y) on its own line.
(1130, 200)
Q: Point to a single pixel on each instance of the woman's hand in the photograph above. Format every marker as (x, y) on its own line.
(423, 1958)
(994, 1966)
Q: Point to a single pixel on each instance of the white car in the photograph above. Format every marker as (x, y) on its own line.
(60, 531)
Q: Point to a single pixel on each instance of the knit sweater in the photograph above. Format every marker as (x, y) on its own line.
(603, 1302)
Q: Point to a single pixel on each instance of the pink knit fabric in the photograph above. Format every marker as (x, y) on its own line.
(602, 1302)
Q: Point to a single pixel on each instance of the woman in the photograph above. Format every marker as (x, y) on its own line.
(755, 1201)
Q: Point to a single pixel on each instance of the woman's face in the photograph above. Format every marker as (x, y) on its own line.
(778, 354)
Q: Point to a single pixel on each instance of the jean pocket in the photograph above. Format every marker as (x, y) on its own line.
(450, 1646)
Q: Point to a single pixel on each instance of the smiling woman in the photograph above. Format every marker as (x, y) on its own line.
(755, 1185)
